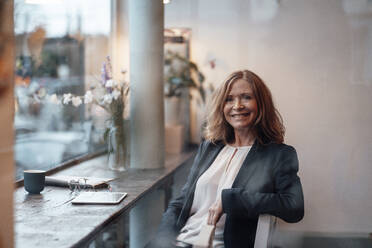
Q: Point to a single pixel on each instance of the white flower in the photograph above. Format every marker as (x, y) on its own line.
(41, 93)
(110, 83)
(88, 97)
(115, 94)
(67, 98)
(76, 101)
(54, 99)
(107, 98)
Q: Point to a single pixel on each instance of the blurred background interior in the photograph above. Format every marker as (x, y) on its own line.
(315, 56)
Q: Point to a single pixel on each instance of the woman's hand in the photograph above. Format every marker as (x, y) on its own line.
(215, 212)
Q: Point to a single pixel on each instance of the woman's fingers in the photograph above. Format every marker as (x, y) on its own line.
(214, 213)
(215, 218)
(210, 216)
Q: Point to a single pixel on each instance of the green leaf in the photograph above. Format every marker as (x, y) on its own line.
(106, 134)
(201, 77)
(192, 83)
(202, 93)
(168, 61)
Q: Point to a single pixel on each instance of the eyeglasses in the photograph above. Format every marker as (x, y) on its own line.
(77, 185)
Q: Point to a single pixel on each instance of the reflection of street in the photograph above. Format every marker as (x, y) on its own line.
(48, 134)
(53, 60)
(45, 150)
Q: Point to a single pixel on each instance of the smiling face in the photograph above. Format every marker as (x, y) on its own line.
(240, 109)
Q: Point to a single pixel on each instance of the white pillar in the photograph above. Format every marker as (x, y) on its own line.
(146, 22)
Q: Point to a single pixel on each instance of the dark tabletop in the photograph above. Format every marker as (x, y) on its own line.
(50, 220)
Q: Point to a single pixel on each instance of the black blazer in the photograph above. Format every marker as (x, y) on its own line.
(267, 183)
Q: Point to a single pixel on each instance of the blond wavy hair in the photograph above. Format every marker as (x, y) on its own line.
(268, 126)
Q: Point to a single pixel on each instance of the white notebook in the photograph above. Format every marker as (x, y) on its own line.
(99, 198)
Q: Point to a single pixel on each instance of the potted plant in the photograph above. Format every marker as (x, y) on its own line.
(180, 74)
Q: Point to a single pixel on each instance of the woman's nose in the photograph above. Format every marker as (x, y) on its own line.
(237, 104)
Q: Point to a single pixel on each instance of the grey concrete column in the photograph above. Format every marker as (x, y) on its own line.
(146, 22)
(145, 218)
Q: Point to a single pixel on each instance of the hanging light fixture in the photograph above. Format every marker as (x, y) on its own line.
(166, 1)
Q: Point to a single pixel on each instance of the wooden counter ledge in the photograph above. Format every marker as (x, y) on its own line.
(50, 220)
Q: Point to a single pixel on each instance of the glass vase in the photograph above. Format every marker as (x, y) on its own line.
(117, 150)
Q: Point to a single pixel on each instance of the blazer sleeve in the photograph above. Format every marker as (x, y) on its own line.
(168, 230)
(286, 202)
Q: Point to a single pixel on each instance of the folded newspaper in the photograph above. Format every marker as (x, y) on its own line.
(65, 181)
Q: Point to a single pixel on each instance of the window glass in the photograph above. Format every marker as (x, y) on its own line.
(60, 47)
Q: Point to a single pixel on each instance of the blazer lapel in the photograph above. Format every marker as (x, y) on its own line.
(248, 167)
(210, 156)
(207, 159)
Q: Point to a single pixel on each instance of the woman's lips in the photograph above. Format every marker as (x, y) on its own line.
(240, 115)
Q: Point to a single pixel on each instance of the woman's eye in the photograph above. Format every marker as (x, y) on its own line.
(229, 99)
(247, 97)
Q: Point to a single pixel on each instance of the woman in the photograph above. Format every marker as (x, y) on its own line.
(241, 170)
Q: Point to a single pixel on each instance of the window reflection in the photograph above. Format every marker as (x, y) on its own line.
(60, 46)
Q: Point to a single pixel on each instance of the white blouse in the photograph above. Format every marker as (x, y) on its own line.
(220, 175)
